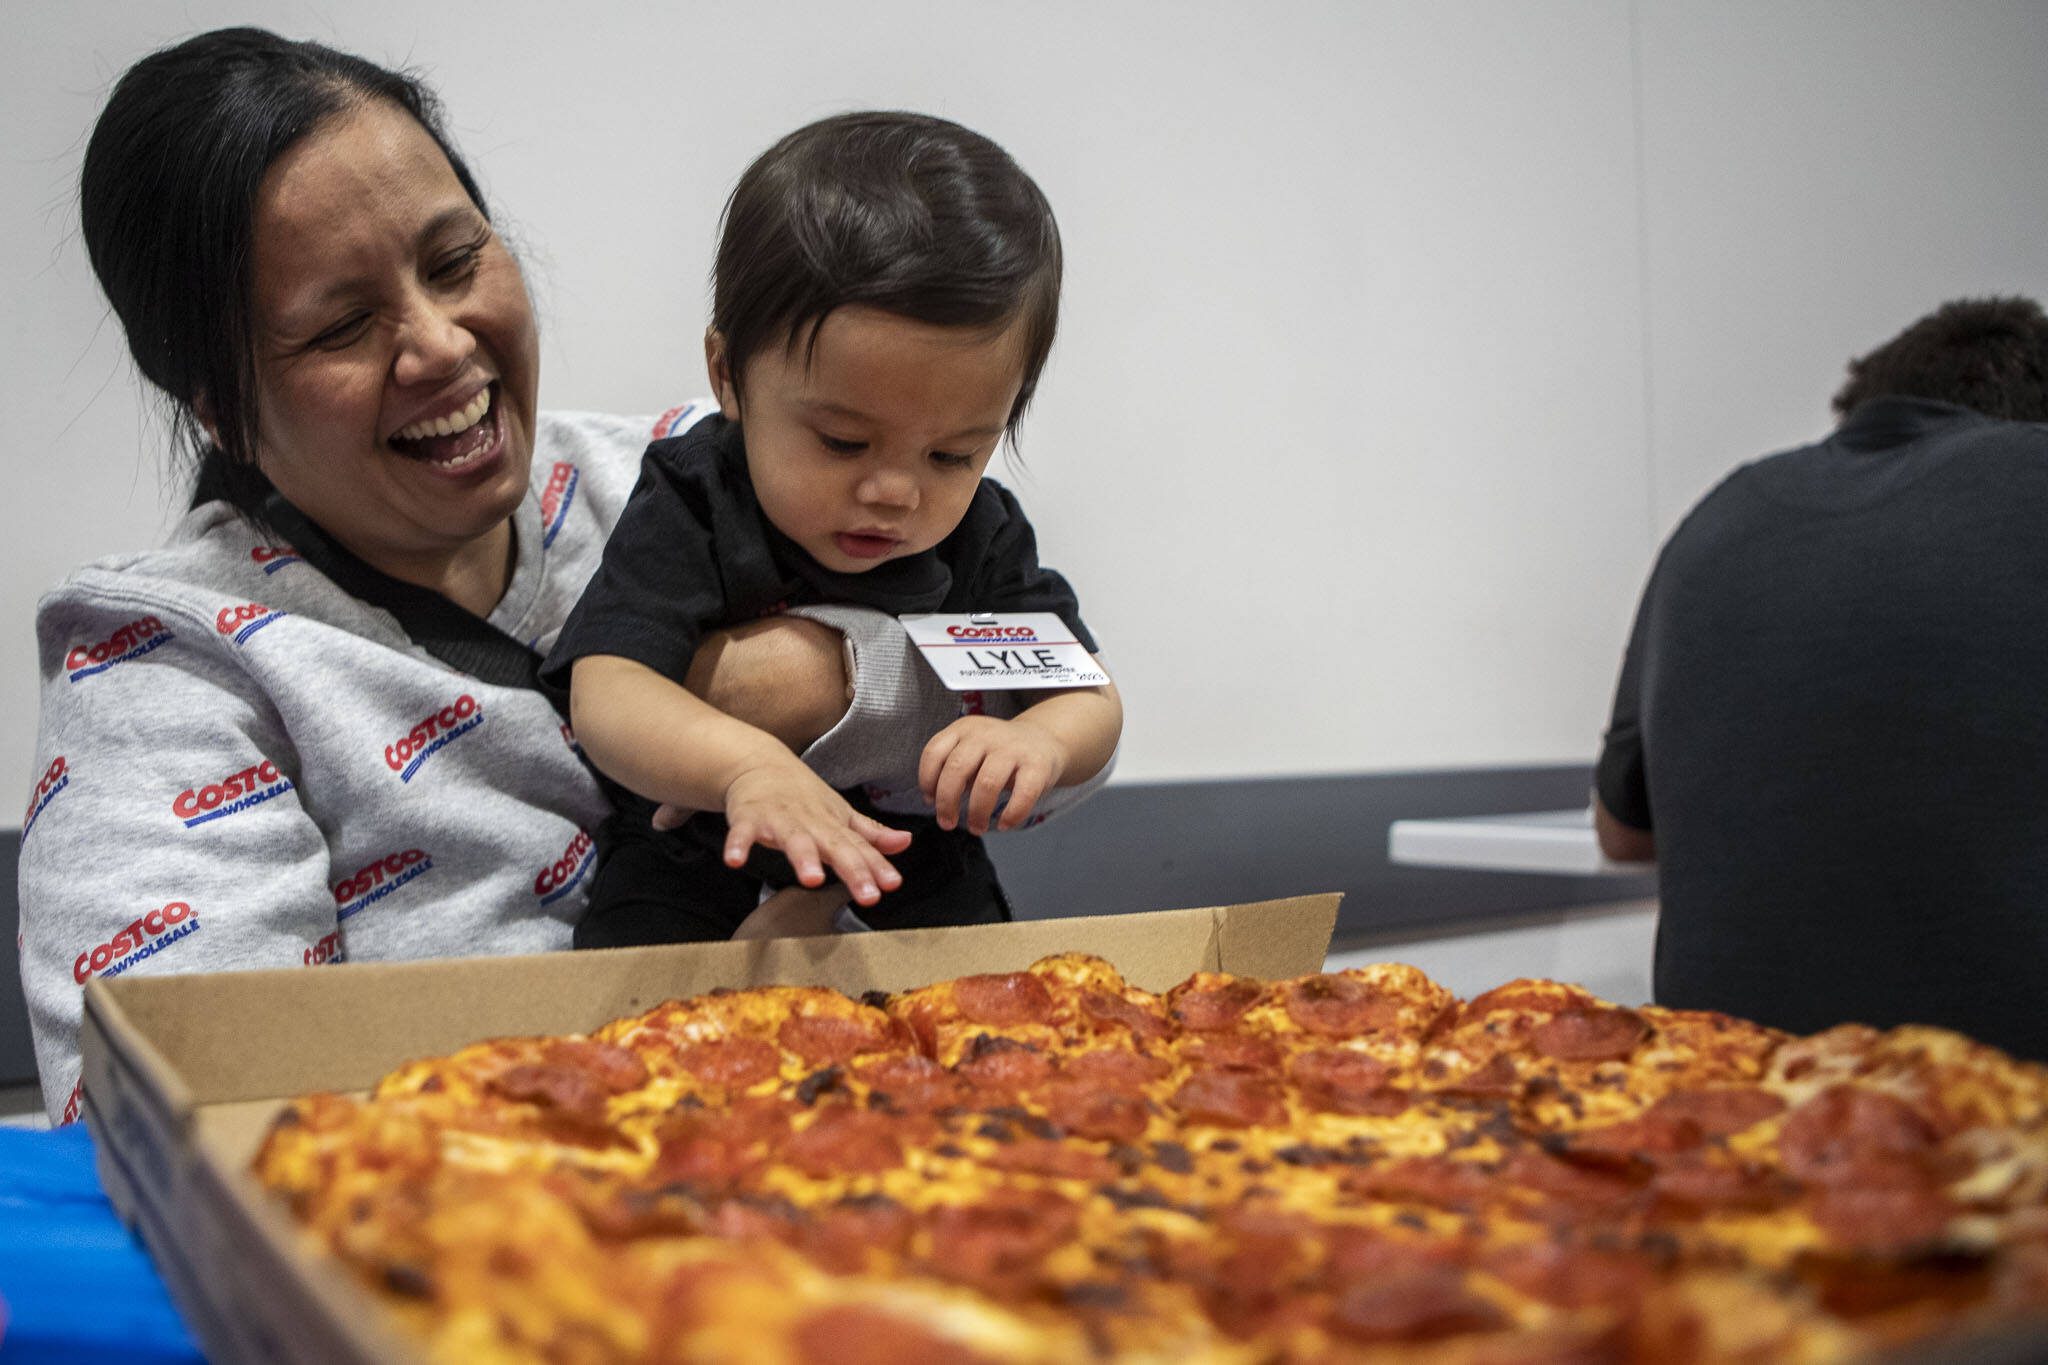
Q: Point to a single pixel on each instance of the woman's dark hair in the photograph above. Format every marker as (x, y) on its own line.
(167, 202)
(1990, 355)
(902, 212)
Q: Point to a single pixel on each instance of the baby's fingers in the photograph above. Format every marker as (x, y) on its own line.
(741, 837)
(864, 872)
(951, 788)
(884, 837)
(1030, 784)
(989, 785)
(933, 761)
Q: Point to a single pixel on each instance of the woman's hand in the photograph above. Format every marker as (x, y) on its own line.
(781, 804)
(978, 758)
(794, 912)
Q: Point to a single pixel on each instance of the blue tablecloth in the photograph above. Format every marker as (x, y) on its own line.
(75, 1285)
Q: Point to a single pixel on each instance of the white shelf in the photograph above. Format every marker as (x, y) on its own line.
(1557, 841)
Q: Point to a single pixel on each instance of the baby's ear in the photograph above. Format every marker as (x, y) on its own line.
(722, 385)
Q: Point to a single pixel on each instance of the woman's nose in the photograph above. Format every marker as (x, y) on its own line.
(433, 344)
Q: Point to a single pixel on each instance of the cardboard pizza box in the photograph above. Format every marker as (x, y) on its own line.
(184, 1073)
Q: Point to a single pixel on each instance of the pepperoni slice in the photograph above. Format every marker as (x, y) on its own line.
(1044, 1156)
(1086, 1111)
(1116, 1010)
(734, 1063)
(911, 1084)
(1439, 1182)
(1590, 1035)
(830, 1040)
(1547, 997)
(1216, 1003)
(1235, 1099)
(1696, 1187)
(1337, 1006)
(1883, 1220)
(853, 1334)
(564, 1094)
(1495, 1079)
(1850, 1135)
(1649, 1137)
(843, 1237)
(1005, 1066)
(1115, 1068)
(1722, 1110)
(1340, 1081)
(1569, 1190)
(1573, 1277)
(846, 1142)
(1000, 1243)
(1235, 1052)
(1003, 999)
(613, 1067)
(1424, 1304)
(719, 1149)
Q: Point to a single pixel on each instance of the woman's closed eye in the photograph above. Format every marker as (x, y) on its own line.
(341, 334)
(457, 265)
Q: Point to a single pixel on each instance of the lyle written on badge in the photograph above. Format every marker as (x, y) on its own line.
(995, 651)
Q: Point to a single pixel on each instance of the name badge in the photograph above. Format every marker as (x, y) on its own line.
(989, 652)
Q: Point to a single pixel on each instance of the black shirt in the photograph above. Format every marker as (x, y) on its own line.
(1834, 715)
(692, 553)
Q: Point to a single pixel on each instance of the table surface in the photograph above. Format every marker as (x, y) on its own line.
(75, 1285)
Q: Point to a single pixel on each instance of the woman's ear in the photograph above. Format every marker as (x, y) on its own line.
(202, 411)
(722, 385)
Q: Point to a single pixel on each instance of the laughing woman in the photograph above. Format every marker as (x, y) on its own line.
(306, 729)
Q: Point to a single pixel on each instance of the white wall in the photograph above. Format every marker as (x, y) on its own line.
(1396, 334)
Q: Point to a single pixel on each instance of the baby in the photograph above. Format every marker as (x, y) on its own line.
(885, 294)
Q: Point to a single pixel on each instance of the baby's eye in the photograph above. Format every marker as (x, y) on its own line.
(950, 460)
(839, 447)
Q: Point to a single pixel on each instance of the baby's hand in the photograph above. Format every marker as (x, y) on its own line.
(787, 806)
(979, 758)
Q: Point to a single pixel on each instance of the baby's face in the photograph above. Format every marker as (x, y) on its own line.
(873, 450)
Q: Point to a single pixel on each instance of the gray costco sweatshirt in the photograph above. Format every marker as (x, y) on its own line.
(242, 766)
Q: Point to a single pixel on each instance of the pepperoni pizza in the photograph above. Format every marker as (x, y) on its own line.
(1053, 1165)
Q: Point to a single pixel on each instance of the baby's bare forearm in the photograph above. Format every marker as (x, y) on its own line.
(1087, 722)
(651, 735)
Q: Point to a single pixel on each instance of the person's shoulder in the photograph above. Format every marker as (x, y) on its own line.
(211, 551)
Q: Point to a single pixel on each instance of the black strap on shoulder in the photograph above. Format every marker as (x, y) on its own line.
(455, 635)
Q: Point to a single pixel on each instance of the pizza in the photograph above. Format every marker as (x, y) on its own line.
(1053, 1165)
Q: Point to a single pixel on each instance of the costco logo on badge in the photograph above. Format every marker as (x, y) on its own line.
(131, 641)
(377, 879)
(555, 500)
(560, 877)
(245, 620)
(147, 936)
(271, 558)
(231, 795)
(432, 735)
(55, 778)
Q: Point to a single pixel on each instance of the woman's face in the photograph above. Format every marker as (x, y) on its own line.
(396, 359)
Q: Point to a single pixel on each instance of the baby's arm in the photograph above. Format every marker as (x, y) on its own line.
(1061, 739)
(658, 740)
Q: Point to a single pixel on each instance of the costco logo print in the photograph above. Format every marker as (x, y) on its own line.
(555, 500)
(671, 421)
(405, 755)
(131, 641)
(271, 558)
(147, 936)
(327, 950)
(55, 778)
(378, 879)
(231, 795)
(245, 620)
(560, 877)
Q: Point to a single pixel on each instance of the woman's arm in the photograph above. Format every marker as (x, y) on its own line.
(784, 675)
(166, 833)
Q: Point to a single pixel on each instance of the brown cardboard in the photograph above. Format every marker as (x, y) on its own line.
(182, 1073)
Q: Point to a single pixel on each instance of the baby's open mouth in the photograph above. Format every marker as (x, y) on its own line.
(457, 440)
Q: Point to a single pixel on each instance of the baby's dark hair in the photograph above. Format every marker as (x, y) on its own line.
(903, 212)
(1990, 355)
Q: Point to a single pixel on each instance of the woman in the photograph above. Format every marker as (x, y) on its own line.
(305, 729)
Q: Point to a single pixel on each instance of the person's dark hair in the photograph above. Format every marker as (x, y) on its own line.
(1989, 355)
(167, 203)
(902, 212)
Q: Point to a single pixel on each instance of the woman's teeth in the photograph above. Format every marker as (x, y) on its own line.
(451, 424)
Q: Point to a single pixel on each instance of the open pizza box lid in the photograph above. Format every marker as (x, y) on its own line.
(183, 1073)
